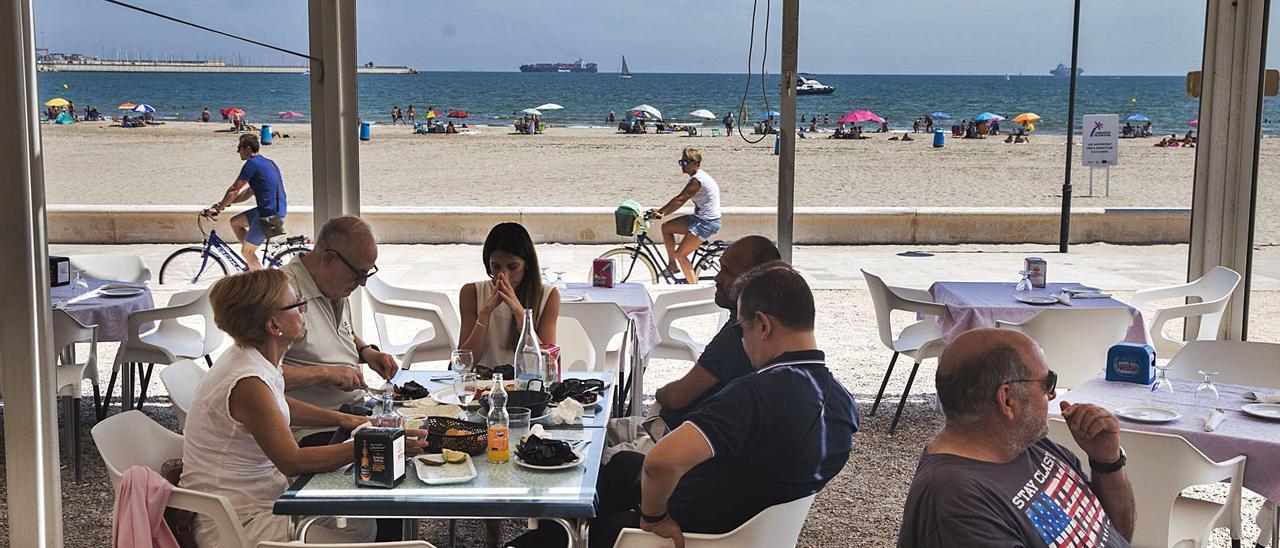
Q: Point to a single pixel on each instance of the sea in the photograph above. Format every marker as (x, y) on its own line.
(496, 97)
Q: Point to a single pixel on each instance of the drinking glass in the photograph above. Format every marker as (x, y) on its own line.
(464, 387)
(559, 284)
(79, 281)
(460, 360)
(519, 423)
(545, 277)
(1024, 285)
(1162, 384)
(1207, 392)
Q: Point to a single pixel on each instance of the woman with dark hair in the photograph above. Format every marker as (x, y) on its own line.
(493, 309)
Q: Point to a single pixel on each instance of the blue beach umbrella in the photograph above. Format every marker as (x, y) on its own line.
(940, 116)
(1137, 118)
(773, 113)
(987, 116)
(143, 108)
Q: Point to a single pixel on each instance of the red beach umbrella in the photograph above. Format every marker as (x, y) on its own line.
(289, 115)
(458, 114)
(234, 111)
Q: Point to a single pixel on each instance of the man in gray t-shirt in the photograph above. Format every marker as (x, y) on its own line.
(990, 477)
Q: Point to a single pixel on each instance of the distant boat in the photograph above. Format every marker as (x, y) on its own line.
(626, 73)
(809, 86)
(1063, 70)
(1006, 77)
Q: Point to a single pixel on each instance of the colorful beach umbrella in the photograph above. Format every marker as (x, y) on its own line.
(940, 116)
(860, 116)
(987, 117)
(1026, 117)
(234, 111)
(458, 114)
(703, 113)
(1194, 123)
(57, 102)
(126, 106)
(290, 114)
(648, 110)
(1137, 118)
(549, 106)
(143, 108)
(773, 113)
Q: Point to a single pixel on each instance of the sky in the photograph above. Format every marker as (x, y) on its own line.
(1130, 37)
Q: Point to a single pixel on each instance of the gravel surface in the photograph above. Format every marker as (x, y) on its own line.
(862, 506)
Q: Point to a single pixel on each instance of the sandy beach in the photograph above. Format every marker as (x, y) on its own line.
(191, 163)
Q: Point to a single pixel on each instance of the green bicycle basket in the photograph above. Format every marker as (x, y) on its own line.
(627, 218)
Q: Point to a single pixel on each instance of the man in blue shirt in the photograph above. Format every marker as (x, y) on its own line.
(259, 179)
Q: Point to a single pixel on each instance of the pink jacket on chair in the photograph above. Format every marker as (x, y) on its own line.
(139, 513)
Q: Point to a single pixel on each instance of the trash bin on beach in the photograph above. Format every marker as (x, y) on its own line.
(939, 138)
(777, 145)
(365, 132)
(266, 134)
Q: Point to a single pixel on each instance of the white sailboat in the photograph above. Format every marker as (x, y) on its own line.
(625, 72)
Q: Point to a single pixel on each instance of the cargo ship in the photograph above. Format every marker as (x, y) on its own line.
(577, 66)
(1063, 70)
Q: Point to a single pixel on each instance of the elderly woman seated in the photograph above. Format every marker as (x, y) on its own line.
(237, 441)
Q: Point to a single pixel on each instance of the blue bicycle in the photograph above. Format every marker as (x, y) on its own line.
(200, 265)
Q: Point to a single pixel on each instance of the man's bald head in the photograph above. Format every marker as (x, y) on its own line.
(742, 255)
(975, 365)
(345, 235)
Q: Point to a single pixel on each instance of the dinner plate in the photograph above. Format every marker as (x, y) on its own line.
(121, 291)
(1263, 410)
(1036, 299)
(573, 298)
(447, 395)
(447, 474)
(1081, 289)
(565, 466)
(1153, 415)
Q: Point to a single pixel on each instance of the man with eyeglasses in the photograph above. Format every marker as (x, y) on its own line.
(323, 367)
(990, 477)
(259, 179)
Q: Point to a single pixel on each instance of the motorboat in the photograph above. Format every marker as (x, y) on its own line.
(809, 86)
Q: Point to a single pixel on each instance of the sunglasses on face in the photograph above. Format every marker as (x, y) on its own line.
(360, 276)
(683, 162)
(1049, 383)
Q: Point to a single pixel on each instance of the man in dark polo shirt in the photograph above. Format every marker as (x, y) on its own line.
(723, 360)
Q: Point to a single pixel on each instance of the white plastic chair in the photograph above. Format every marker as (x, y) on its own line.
(67, 331)
(216, 508)
(774, 527)
(181, 379)
(602, 322)
(1161, 467)
(678, 344)
(1243, 363)
(576, 351)
(919, 341)
(1214, 290)
(120, 268)
(395, 544)
(436, 342)
(169, 342)
(133, 439)
(1075, 341)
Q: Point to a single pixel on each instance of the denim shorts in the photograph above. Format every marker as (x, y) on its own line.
(703, 228)
(255, 235)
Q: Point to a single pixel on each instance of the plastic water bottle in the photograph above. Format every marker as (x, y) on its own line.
(499, 431)
(528, 358)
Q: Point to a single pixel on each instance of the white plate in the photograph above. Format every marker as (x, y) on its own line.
(515, 457)
(1263, 410)
(573, 298)
(1081, 289)
(446, 395)
(121, 291)
(446, 474)
(1153, 415)
(1036, 299)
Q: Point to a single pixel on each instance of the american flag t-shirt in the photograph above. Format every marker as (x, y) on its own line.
(1065, 512)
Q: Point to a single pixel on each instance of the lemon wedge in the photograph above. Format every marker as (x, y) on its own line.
(454, 457)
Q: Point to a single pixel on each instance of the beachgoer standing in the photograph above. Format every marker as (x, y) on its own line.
(696, 228)
(260, 179)
(915, 126)
(204, 115)
(395, 114)
(412, 115)
(728, 124)
(826, 120)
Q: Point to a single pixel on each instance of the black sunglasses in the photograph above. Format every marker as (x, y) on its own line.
(1050, 382)
(684, 162)
(359, 275)
(299, 304)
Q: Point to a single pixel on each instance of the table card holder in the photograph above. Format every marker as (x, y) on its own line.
(380, 457)
(602, 272)
(1131, 362)
(1038, 271)
(59, 271)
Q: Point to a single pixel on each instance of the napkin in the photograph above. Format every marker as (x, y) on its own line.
(1214, 419)
(1064, 298)
(1262, 397)
(536, 430)
(568, 412)
(1092, 295)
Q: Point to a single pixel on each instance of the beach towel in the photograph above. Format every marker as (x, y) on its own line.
(139, 513)
(64, 118)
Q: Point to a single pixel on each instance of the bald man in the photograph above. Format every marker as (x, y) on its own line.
(990, 477)
(323, 368)
(723, 360)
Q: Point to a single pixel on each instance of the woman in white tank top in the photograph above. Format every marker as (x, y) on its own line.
(696, 228)
(493, 310)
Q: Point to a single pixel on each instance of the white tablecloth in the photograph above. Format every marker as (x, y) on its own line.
(110, 314)
(973, 305)
(634, 300)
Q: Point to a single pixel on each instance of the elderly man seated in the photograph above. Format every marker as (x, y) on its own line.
(990, 477)
(323, 367)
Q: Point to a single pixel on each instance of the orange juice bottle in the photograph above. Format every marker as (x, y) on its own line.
(499, 423)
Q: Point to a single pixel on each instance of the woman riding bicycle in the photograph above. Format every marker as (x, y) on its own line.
(696, 228)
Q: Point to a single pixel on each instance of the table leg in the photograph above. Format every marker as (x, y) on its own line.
(126, 386)
(1275, 526)
(409, 529)
(453, 533)
(576, 529)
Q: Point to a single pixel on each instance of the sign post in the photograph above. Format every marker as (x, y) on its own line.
(1101, 145)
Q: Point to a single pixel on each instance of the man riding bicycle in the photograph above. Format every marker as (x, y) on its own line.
(259, 178)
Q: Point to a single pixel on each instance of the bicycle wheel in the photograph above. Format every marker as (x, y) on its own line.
(283, 256)
(192, 266)
(628, 259)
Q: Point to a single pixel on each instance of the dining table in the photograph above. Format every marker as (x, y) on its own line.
(643, 336)
(509, 490)
(90, 306)
(974, 305)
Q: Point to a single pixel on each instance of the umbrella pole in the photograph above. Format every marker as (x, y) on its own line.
(1064, 233)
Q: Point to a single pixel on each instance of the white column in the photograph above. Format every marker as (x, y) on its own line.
(335, 156)
(1226, 159)
(26, 353)
(787, 154)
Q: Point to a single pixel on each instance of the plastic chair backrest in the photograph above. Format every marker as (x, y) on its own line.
(1242, 363)
(120, 268)
(667, 300)
(198, 299)
(777, 526)
(214, 507)
(133, 439)
(883, 299)
(440, 313)
(576, 351)
(67, 331)
(601, 321)
(393, 544)
(1215, 286)
(1075, 341)
(1166, 465)
(182, 379)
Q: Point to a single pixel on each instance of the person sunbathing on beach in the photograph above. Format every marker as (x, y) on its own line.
(1009, 139)
(839, 134)
(696, 228)
(1021, 140)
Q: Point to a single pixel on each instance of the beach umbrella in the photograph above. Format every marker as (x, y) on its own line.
(126, 106)
(987, 117)
(940, 116)
(290, 114)
(57, 102)
(458, 114)
(773, 113)
(549, 106)
(1026, 117)
(144, 108)
(431, 114)
(703, 113)
(648, 110)
(1137, 118)
(860, 116)
(1194, 123)
(531, 112)
(232, 111)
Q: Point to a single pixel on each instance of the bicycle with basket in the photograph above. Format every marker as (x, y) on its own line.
(631, 221)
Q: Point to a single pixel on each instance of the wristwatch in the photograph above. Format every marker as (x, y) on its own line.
(1104, 468)
(360, 351)
(653, 519)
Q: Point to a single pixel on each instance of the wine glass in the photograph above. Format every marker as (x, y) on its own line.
(464, 388)
(79, 281)
(559, 284)
(1207, 391)
(1162, 379)
(461, 360)
(1024, 285)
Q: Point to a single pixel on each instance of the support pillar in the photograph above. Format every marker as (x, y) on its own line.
(32, 474)
(787, 154)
